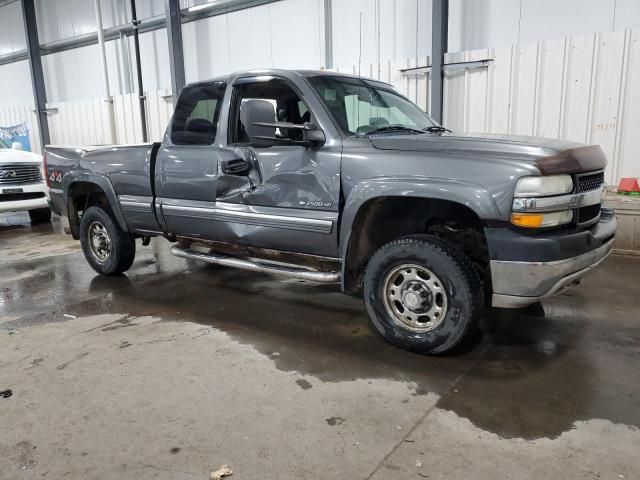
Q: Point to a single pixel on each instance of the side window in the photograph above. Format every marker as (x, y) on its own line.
(287, 104)
(195, 119)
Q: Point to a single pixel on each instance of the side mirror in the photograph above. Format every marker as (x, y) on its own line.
(256, 115)
(314, 135)
(16, 146)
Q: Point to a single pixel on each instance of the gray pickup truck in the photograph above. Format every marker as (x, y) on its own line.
(339, 179)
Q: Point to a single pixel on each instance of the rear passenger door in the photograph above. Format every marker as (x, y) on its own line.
(186, 171)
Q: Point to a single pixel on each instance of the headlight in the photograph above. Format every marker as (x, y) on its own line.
(543, 186)
(542, 220)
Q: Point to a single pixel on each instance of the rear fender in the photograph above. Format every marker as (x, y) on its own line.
(102, 182)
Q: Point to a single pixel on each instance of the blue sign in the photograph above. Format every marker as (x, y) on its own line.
(17, 133)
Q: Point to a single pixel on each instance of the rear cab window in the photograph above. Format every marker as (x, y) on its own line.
(195, 120)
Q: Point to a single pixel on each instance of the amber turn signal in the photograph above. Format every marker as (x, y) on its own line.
(541, 220)
(528, 220)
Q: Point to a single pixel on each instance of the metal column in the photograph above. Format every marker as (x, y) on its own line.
(141, 96)
(105, 75)
(439, 40)
(35, 66)
(328, 34)
(176, 55)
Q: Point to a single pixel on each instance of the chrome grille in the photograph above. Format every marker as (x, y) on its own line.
(19, 173)
(590, 181)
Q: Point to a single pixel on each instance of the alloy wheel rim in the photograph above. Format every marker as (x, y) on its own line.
(415, 298)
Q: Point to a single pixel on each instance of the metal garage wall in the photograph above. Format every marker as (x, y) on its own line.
(265, 36)
(380, 30)
(85, 122)
(475, 24)
(12, 38)
(585, 89)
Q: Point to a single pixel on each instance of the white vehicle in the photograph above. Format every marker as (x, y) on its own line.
(22, 183)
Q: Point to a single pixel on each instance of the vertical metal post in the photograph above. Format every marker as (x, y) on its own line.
(439, 40)
(176, 55)
(141, 95)
(328, 34)
(35, 67)
(105, 74)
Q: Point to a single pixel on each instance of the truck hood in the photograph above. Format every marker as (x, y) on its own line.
(551, 156)
(9, 155)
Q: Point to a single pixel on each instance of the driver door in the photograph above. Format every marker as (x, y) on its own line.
(289, 200)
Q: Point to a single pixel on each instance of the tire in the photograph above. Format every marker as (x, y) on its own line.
(422, 294)
(108, 249)
(40, 215)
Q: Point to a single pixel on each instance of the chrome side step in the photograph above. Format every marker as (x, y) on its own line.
(255, 265)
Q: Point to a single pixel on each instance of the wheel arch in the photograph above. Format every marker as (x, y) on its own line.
(372, 222)
(84, 190)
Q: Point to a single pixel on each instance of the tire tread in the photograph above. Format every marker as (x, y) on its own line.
(470, 275)
(123, 244)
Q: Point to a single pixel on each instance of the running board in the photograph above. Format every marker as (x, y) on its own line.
(286, 270)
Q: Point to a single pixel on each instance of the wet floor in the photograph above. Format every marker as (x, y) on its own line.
(533, 374)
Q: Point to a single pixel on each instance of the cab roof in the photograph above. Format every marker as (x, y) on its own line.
(290, 74)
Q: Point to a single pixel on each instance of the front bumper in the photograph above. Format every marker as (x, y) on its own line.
(23, 204)
(518, 282)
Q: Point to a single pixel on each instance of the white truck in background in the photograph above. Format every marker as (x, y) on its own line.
(22, 183)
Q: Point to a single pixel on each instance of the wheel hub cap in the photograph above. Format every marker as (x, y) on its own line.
(99, 242)
(415, 298)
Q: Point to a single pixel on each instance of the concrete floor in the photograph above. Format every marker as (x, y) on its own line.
(178, 368)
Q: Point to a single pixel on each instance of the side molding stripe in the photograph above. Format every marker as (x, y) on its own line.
(220, 213)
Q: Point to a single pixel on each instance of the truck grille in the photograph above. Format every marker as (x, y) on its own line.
(587, 182)
(586, 214)
(590, 181)
(12, 174)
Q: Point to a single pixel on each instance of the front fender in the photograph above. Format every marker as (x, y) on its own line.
(472, 196)
(101, 181)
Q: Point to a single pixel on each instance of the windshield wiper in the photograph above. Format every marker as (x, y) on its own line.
(390, 128)
(436, 129)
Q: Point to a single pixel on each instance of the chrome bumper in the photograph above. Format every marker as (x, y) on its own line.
(518, 284)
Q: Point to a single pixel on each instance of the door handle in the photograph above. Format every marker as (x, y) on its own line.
(236, 166)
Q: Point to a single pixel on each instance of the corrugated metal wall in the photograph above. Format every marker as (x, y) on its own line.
(259, 37)
(288, 34)
(585, 89)
(580, 88)
(84, 122)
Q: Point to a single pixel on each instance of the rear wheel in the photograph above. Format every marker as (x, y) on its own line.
(422, 294)
(40, 215)
(108, 249)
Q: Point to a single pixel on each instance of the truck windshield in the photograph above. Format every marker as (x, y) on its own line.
(2, 144)
(362, 107)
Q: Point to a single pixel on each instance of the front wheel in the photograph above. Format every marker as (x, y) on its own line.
(422, 294)
(108, 249)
